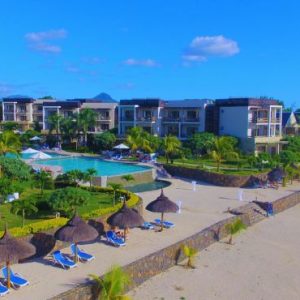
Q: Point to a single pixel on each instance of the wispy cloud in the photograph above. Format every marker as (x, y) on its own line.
(125, 86)
(92, 60)
(7, 89)
(73, 69)
(39, 41)
(150, 63)
(203, 47)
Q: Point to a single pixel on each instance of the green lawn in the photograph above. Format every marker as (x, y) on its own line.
(97, 200)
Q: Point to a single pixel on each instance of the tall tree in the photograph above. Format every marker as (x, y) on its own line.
(86, 119)
(9, 143)
(42, 178)
(201, 142)
(68, 128)
(26, 207)
(89, 174)
(171, 146)
(54, 121)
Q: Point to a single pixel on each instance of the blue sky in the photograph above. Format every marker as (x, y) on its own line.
(167, 49)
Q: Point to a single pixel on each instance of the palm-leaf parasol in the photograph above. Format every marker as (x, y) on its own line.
(75, 231)
(162, 204)
(276, 174)
(12, 250)
(125, 218)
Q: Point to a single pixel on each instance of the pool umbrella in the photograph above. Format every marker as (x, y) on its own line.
(121, 147)
(35, 138)
(40, 155)
(125, 218)
(29, 151)
(75, 231)
(276, 174)
(12, 250)
(162, 204)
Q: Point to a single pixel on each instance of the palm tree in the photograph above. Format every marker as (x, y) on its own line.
(42, 178)
(86, 119)
(68, 128)
(223, 148)
(128, 178)
(134, 138)
(54, 121)
(89, 174)
(26, 207)
(115, 187)
(234, 228)
(171, 145)
(113, 284)
(190, 253)
(9, 143)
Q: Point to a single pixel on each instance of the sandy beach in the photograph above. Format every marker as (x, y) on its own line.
(263, 264)
(201, 208)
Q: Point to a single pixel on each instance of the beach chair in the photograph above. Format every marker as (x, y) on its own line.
(16, 279)
(3, 290)
(166, 224)
(63, 261)
(83, 256)
(147, 225)
(114, 239)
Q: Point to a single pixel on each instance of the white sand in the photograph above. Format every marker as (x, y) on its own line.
(264, 263)
(200, 209)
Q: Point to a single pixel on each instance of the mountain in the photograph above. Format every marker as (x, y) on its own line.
(105, 98)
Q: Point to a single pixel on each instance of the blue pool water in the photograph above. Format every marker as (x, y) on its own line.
(104, 168)
(29, 155)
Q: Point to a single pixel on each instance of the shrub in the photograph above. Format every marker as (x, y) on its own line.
(14, 168)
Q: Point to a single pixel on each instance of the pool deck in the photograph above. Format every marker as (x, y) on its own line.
(200, 208)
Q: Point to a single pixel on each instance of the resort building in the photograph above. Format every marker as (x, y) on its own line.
(26, 111)
(257, 123)
(291, 123)
(181, 118)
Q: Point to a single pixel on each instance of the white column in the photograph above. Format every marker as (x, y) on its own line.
(3, 111)
(134, 116)
(119, 120)
(269, 121)
(280, 118)
(44, 126)
(15, 111)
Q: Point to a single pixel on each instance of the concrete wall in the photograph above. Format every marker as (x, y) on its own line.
(234, 121)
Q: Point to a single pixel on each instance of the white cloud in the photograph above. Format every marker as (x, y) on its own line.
(38, 41)
(141, 62)
(203, 47)
(72, 69)
(92, 60)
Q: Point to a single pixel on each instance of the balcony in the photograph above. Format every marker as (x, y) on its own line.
(146, 119)
(185, 119)
(103, 119)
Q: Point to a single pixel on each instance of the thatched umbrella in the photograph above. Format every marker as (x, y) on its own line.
(276, 174)
(12, 250)
(75, 231)
(125, 218)
(162, 204)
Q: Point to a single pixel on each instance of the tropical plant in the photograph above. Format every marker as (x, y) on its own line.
(14, 168)
(201, 142)
(104, 141)
(6, 187)
(113, 284)
(89, 174)
(234, 228)
(9, 143)
(42, 180)
(10, 125)
(128, 178)
(75, 176)
(37, 127)
(68, 128)
(115, 187)
(190, 253)
(86, 119)
(67, 200)
(287, 158)
(25, 207)
(223, 148)
(171, 146)
(54, 121)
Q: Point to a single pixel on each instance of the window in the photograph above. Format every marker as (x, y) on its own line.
(23, 118)
(128, 115)
(147, 115)
(104, 127)
(174, 115)
(191, 115)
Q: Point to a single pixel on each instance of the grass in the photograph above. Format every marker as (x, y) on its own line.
(227, 167)
(96, 201)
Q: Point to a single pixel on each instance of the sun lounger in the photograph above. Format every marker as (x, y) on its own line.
(147, 225)
(166, 224)
(83, 256)
(63, 261)
(114, 239)
(15, 278)
(3, 290)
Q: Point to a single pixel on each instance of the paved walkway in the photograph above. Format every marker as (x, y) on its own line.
(200, 209)
(263, 264)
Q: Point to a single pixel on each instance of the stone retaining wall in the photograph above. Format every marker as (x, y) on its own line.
(212, 177)
(154, 263)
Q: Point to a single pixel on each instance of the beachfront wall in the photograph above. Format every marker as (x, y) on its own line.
(155, 263)
(212, 177)
(139, 177)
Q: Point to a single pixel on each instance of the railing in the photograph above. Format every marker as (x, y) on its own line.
(146, 119)
(170, 119)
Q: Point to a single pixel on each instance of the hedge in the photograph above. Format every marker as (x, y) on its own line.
(58, 222)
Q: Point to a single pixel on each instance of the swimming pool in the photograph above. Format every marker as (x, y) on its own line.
(104, 168)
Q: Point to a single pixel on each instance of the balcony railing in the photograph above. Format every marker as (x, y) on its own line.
(146, 119)
(265, 120)
(185, 119)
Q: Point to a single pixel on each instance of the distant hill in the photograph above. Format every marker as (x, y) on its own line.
(17, 97)
(105, 98)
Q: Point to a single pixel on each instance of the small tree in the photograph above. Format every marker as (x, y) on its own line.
(25, 207)
(234, 228)
(89, 174)
(75, 176)
(171, 146)
(190, 253)
(115, 187)
(67, 200)
(6, 188)
(287, 158)
(42, 180)
(128, 178)
(113, 284)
